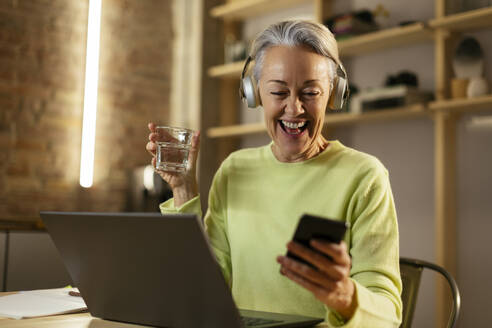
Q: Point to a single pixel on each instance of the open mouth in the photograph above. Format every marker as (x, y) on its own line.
(292, 128)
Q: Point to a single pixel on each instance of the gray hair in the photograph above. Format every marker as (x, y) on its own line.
(296, 33)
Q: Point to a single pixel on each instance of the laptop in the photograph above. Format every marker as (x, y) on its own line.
(151, 269)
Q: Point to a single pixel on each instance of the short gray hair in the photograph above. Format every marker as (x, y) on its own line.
(295, 33)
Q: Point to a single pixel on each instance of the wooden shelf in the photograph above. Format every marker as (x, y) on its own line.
(376, 41)
(468, 105)
(242, 9)
(384, 39)
(232, 70)
(412, 111)
(330, 119)
(467, 21)
(380, 40)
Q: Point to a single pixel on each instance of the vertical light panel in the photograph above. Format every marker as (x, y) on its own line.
(90, 94)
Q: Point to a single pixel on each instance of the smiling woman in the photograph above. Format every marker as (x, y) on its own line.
(294, 90)
(258, 195)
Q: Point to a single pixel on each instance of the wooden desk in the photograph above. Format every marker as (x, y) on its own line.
(78, 320)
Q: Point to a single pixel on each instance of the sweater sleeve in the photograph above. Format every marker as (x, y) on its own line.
(374, 248)
(216, 222)
(192, 206)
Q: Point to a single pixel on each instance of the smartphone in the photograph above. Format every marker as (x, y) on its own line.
(316, 227)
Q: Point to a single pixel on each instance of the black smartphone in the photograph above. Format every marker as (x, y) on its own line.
(316, 227)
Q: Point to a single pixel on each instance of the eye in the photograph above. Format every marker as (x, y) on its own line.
(310, 93)
(279, 93)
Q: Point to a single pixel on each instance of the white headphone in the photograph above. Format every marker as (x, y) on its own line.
(248, 88)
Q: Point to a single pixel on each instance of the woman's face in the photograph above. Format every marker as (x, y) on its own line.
(294, 88)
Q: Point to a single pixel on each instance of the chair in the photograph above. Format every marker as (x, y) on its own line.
(411, 271)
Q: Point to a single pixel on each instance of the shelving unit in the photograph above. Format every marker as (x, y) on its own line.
(464, 22)
(330, 120)
(441, 31)
(464, 106)
(385, 39)
(240, 10)
(367, 43)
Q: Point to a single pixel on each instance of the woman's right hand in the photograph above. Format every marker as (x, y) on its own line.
(183, 184)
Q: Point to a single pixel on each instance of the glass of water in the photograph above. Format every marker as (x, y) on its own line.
(173, 147)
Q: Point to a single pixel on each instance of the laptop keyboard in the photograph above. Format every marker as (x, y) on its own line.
(251, 322)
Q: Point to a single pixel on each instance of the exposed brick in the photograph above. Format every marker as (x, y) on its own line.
(18, 170)
(42, 60)
(16, 183)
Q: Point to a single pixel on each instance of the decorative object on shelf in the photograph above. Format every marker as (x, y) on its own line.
(234, 50)
(468, 65)
(400, 90)
(388, 98)
(351, 24)
(477, 87)
(402, 78)
(458, 88)
(468, 59)
(381, 16)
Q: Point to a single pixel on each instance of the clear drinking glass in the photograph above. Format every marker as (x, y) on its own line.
(173, 147)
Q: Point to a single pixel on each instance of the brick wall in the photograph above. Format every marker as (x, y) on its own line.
(42, 60)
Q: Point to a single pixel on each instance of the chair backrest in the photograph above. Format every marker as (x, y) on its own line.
(411, 273)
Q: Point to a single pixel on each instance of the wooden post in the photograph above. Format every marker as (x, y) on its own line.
(445, 171)
(229, 99)
(210, 98)
(445, 208)
(322, 10)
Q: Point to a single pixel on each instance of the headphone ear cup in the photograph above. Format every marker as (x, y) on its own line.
(250, 92)
(339, 93)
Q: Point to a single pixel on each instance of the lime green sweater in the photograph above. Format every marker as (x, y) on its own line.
(254, 205)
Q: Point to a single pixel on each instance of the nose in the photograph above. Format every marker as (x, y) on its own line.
(294, 106)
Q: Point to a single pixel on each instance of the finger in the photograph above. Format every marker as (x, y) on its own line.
(151, 147)
(332, 269)
(153, 136)
(315, 258)
(338, 252)
(195, 147)
(318, 291)
(307, 272)
(151, 127)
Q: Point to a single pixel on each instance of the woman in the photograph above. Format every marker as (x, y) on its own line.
(258, 195)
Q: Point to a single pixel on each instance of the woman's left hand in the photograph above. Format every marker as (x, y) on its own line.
(329, 279)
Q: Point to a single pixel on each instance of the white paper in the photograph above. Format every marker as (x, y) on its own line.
(38, 303)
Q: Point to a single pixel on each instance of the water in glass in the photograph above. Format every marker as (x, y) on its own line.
(172, 157)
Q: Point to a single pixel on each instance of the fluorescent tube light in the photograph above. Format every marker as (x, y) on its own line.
(90, 94)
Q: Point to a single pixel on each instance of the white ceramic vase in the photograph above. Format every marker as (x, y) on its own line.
(477, 87)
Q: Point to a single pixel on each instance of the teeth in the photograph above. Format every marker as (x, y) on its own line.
(291, 125)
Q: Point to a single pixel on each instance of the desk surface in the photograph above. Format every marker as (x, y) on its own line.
(78, 320)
